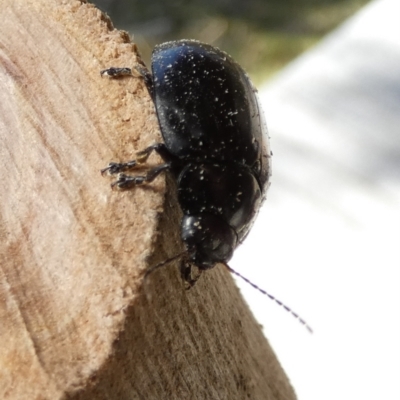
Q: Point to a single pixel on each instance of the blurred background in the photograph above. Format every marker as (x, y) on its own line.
(327, 240)
(261, 35)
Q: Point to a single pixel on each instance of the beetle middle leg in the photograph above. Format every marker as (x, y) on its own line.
(141, 158)
(127, 181)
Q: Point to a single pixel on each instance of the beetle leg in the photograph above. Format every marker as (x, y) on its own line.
(186, 274)
(115, 168)
(128, 182)
(147, 77)
(141, 157)
(116, 72)
(159, 148)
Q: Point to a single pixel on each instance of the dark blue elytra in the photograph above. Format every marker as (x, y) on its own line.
(215, 145)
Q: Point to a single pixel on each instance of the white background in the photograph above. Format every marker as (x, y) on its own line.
(327, 241)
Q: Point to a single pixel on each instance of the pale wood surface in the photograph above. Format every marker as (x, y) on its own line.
(75, 318)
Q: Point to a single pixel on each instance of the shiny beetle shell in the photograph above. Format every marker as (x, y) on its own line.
(211, 120)
(215, 146)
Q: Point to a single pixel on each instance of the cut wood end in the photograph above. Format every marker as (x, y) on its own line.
(75, 317)
(72, 248)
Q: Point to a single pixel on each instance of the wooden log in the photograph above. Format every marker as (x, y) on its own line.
(76, 319)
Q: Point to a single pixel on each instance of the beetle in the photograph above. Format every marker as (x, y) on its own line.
(215, 146)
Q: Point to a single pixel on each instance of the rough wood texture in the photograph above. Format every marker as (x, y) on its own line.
(76, 319)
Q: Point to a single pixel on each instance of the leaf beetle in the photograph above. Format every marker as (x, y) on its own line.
(216, 147)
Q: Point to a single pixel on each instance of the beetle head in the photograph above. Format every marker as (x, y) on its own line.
(208, 239)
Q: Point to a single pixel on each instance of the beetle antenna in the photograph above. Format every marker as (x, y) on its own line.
(163, 263)
(288, 309)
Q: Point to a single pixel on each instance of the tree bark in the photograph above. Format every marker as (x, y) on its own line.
(76, 319)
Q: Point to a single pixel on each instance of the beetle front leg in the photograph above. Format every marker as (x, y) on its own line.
(116, 72)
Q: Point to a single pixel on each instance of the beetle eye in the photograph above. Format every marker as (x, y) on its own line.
(216, 243)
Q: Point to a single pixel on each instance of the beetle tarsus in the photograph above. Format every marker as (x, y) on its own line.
(141, 157)
(115, 168)
(114, 72)
(128, 182)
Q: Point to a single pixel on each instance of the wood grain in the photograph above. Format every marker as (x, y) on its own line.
(76, 319)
